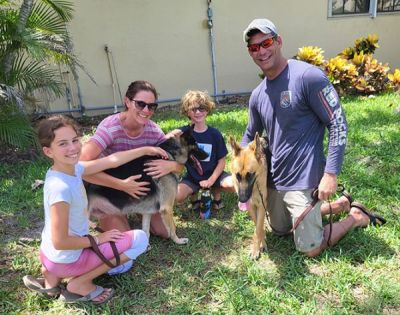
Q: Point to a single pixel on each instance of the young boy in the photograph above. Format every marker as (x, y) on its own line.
(196, 105)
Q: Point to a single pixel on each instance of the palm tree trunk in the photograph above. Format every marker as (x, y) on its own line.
(24, 12)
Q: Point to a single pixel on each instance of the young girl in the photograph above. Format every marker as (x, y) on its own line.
(196, 105)
(65, 250)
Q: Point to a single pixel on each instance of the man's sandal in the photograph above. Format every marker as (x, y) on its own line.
(348, 196)
(37, 285)
(374, 219)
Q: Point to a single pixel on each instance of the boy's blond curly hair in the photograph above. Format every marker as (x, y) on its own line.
(196, 99)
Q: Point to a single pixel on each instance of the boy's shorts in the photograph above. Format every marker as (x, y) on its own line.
(194, 185)
(284, 207)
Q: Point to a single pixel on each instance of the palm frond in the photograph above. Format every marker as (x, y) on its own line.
(15, 129)
(31, 75)
(64, 9)
(46, 20)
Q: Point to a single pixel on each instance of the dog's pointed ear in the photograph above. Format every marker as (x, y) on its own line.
(235, 146)
(255, 143)
(258, 146)
(187, 133)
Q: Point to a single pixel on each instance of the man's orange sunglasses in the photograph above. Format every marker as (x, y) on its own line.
(264, 44)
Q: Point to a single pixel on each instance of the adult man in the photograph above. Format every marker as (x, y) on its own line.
(294, 104)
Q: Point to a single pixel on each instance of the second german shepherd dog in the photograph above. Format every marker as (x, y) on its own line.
(161, 197)
(249, 176)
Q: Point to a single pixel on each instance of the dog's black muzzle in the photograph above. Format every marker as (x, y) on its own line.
(246, 185)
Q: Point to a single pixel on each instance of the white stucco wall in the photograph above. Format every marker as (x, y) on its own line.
(167, 42)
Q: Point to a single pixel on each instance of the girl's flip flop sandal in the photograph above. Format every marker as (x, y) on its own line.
(37, 285)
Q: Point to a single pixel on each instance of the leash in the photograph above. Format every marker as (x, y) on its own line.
(314, 195)
(97, 251)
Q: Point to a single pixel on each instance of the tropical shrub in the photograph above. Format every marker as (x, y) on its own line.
(311, 54)
(372, 75)
(33, 40)
(394, 79)
(342, 73)
(354, 70)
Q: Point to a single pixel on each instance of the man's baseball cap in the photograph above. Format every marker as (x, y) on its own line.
(263, 25)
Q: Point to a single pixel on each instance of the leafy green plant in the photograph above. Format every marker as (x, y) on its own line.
(33, 37)
(15, 129)
(33, 41)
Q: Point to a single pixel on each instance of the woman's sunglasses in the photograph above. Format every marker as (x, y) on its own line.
(264, 44)
(141, 105)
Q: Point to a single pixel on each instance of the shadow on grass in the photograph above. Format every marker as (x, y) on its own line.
(357, 247)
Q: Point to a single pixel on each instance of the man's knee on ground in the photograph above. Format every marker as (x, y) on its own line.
(314, 252)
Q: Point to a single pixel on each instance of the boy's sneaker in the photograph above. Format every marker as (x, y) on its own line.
(121, 268)
(205, 215)
(194, 205)
(218, 204)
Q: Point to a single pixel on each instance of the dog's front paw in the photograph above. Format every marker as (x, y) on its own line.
(255, 254)
(263, 247)
(181, 241)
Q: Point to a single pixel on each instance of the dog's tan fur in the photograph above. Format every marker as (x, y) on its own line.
(247, 164)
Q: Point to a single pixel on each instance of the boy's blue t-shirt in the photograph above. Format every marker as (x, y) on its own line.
(212, 142)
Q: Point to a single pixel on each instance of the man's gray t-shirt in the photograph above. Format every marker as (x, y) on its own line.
(294, 109)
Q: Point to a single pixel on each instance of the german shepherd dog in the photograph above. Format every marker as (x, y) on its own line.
(108, 201)
(249, 176)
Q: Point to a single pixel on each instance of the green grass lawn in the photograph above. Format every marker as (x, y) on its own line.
(213, 273)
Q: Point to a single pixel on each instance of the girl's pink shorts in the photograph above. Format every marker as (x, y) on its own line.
(88, 260)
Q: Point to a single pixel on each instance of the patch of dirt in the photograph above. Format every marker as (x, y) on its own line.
(13, 155)
(10, 229)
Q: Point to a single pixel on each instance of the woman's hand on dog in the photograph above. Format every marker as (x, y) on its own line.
(134, 188)
(157, 151)
(159, 168)
(174, 133)
(111, 235)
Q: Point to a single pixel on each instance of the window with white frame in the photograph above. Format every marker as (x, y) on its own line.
(372, 7)
(388, 5)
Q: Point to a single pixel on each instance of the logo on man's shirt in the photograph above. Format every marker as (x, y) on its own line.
(330, 95)
(286, 99)
(207, 148)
